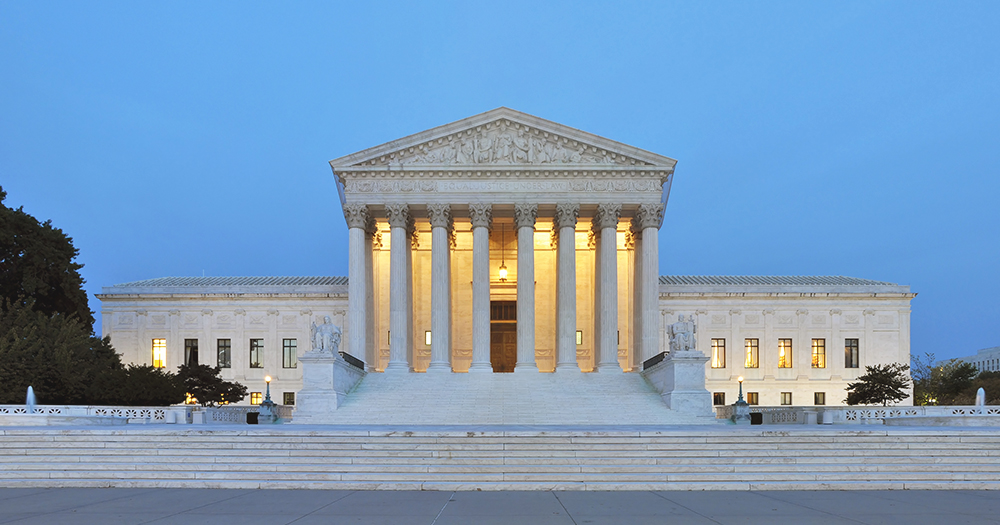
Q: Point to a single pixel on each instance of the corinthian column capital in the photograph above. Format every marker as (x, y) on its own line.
(567, 215)
(356, 215)
(398, 215)
(439, 215)
(650, 215)
(607, 216)
(525, 215)
(481, 215)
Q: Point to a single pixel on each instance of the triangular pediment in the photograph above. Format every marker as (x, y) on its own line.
(502, 137)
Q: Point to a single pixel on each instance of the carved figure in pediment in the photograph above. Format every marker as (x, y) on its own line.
(521, 148)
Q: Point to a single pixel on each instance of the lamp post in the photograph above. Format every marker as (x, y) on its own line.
(267, 409)
(741, 410)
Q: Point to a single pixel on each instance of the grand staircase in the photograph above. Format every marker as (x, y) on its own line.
(502, 458)
(508, 399)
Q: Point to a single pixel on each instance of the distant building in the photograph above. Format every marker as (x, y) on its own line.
(508, 243)
(985, 360)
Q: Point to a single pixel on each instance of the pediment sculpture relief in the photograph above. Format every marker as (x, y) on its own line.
(503, 142)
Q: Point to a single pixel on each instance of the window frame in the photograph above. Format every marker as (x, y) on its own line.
(256, 353)
(718, 399)
(226, 351)
(159, 343)
(786, 399)
(285, 397)
(190, 349)
(719, 352)
(256, 398)
(852, 353)
(819, 398)
(289, 350)
(819, 352)
(752, 347)
(753, 398)
(785, 352)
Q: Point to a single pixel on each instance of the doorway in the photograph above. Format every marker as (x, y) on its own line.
(503, 336)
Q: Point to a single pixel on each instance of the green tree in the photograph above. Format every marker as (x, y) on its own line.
(144, 385)
(941, 383)
(37, 262)
(206, 385)
(55, 354)
(881, 384)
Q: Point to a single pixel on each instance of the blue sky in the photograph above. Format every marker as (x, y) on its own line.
(838, 138)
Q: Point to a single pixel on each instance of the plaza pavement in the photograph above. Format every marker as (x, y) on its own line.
(307, 507)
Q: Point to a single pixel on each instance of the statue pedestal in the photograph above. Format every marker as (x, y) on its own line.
(680, 379)
(326, 380)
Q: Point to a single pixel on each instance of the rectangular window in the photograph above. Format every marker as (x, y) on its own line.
(751, 347)
(786, 398)
(819, 353)
(850, 353)
(288, 398)
(819, 398)
(159, 353)
(191, 352)
(223, 350)
(427, 337)
(256, 353)
(719, 398)
(753, 398)
(784, 353)
(718, 353)
(255, 398)
(579, 337)
(289, 350)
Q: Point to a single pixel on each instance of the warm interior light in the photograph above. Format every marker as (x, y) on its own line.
(427, 337)
(503, 272)
(503, 266)
(740, 379)
(267, 379)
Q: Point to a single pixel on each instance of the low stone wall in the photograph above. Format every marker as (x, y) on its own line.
(180, 414)
(855, 415)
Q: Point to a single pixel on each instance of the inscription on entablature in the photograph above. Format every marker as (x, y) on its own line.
(479, 186)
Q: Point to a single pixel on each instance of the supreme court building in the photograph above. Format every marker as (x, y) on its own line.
(508, 243)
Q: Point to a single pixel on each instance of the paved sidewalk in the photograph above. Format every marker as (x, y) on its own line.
(304, 507)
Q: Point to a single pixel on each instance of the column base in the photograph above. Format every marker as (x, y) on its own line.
(608, 367)
(567, 367)
(481, 368)
(397, 368)
(525, 368)
(438, 368)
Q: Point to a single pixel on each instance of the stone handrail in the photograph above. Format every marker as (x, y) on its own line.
(852, 415)
(182, 414)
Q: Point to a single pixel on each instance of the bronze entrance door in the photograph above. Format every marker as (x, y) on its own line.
(503, 335)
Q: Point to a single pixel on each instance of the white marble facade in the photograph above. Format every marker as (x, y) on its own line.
(573, 218)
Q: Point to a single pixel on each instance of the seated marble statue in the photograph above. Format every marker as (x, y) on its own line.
(681, 334)
(326, 337)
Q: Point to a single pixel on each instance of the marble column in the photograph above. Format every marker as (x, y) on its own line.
(440, 218)
(481, 216)
(524, 220)
(399, 277)
(635, 342)
(606, 220)
(650, 219)
(565, 222)
(371, 338)
(357, 308)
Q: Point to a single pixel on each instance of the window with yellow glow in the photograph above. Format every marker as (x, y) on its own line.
(753, 398)
(819, 353)
(255, 398)
(719, 353)
(784, 353)
(751, 348)
(786, 398)
(159, 353)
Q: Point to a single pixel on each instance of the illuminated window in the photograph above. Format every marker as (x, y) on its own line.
(850, 353)
(288, 398)
(753, 398)
(289, 348)
(427, 337)
(784, 353)
(579, 337)
(819, 398)
(718, 353)
(255, 398)
(159, 353)
(751, 348)
(718, 398)
(223, 349)
(256, 353)
(819, 353)
(786, 398)
(191, 352)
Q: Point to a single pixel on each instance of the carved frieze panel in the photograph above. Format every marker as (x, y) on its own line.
(126, 321)
(785, 319)
(503, 142)
(158, 319)
(752, 319)
(289, 320)
(819, 320)
(224, 320)
(256, 320)
(718, 319)
(189, 320)
(852, 319)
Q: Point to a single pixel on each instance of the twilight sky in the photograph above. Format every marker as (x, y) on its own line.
(834, 138)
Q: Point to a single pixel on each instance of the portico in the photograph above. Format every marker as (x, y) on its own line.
(571, 216)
